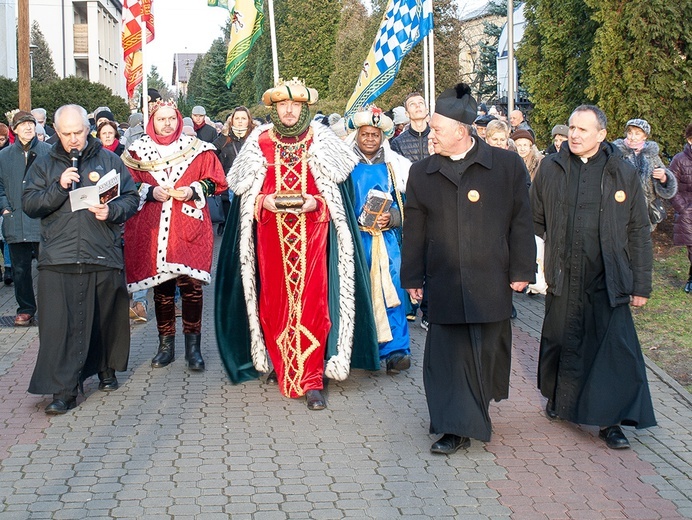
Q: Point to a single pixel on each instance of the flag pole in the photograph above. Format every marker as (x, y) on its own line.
(426, 78)
(145, 90)
(272, 29)
(510, 57)
(431, 48)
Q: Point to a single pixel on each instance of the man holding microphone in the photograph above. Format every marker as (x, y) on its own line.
(80, 263)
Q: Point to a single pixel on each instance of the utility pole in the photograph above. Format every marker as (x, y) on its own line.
(24, 60)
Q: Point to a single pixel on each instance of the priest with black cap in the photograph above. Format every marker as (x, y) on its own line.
(468, 234)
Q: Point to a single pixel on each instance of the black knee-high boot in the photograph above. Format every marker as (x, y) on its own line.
(193, 356)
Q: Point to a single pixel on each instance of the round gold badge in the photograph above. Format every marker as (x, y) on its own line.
(474, 196)
(94, 176)
(620, 196)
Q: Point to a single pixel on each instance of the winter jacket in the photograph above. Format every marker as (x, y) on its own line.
(17, 227)
(624, 232)
(227, 148)
(468, 234)
(67, 237)
(412, 144)
(681, 166)
(645, 163)
(207, 133)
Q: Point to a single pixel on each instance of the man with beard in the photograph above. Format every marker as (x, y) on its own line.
(169, 242)
(292, 280)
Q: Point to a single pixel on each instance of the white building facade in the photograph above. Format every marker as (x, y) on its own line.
(84, 37)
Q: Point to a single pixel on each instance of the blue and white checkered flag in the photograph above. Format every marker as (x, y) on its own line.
(404, 24)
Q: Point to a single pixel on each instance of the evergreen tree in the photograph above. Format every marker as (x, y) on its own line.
(9, 97)
(306, 35)
(352, 46)
(41, 58)
(554, 60)
(54, 94)
(640, 66)
(154, 80)
(485, 84)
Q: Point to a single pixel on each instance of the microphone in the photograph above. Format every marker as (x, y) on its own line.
(74, 156)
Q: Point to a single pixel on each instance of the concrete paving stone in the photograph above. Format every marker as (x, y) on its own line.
(183, 509)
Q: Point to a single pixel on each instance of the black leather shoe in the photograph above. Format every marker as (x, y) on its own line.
(59, 407)
(398, 361)
(514, 312)
(614, 438)
(450, 443)
(166, 354)
(108, 381)
(272, 378)
(550, 412)
(315, 400)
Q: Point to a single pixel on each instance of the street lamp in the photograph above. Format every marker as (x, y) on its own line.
(32, 48)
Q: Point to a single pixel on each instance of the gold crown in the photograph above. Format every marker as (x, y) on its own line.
(160, 103)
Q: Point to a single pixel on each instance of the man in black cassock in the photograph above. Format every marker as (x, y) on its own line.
(468, 234)
(588, 201)
(84, 324)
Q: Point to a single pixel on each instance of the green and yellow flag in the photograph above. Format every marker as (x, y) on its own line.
(246, 27)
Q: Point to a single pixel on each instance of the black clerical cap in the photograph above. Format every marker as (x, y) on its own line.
(457, 103)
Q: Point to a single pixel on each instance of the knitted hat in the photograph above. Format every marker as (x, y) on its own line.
(371, 116)
(522, 134)
(199, 111)
(22, 117)
(400, 117)
(560, 130)
(339, 127)
(458, 104)
(104, 113)
(641, 124)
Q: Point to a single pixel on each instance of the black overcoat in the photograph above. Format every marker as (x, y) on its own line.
(468, 233)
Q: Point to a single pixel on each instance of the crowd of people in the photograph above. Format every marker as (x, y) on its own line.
(339, 232)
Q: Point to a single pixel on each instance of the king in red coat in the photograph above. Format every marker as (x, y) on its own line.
(170, 240)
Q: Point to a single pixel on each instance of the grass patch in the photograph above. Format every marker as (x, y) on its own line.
(663, 324)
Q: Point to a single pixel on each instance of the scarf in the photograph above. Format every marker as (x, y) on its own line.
(198, 127)
(161, 139)
(239, 132)
(297, 129)
(112, 147)
(636, 148)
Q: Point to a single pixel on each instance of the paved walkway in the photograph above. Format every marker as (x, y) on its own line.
(175, 444)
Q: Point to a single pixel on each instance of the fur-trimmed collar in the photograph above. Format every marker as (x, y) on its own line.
(328, 157)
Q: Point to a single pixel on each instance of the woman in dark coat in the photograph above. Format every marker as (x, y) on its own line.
(681, 166)
(237, 127)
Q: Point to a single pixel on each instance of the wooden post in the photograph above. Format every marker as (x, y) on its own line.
(24, 60)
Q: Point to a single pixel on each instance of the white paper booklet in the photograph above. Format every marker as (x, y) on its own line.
(104, 191)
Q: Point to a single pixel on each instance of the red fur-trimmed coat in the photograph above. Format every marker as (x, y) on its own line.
(167, 239)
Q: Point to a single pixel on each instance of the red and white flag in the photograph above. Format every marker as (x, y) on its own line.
(133, 12)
